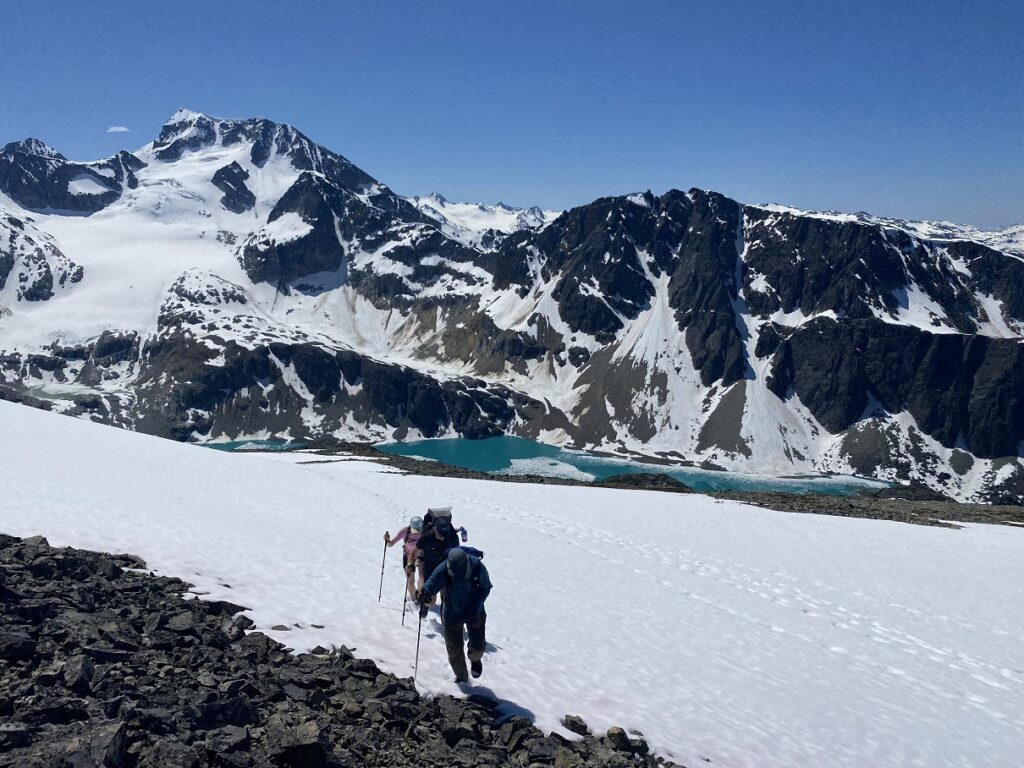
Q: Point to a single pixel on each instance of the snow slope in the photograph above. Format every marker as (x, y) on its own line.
(723, 632)
(134, 249)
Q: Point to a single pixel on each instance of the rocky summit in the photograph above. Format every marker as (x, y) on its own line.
(234, 279)
(102, 664)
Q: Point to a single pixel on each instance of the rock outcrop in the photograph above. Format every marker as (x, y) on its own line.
(32, 267)
(39, 177)
(230, 180)
(102, 664)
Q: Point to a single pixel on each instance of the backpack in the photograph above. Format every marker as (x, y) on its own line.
(435, 513)
(475, 556)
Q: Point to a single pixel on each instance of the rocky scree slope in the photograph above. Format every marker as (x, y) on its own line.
(102, 664)
(234, 279)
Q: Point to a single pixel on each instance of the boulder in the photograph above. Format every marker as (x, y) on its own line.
(16, 645)
(78, 673)
(576, 724)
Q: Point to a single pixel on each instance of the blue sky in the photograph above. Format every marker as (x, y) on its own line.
(911, 109)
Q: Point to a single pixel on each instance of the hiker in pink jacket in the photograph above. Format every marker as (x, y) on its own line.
(410, 534)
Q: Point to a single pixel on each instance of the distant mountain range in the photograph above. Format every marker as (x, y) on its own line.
(235, 279)
(479, 225)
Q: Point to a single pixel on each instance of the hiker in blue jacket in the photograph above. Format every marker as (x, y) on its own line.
(464, 585)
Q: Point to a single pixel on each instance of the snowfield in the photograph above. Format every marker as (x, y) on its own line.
(723, 632)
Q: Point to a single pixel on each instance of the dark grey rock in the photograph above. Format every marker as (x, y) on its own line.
(105, 653)
(230, 738)
(55, 711)
(300, 746)
(230, 180)
(618, 739)
(16, 645)
(181, 623)
(543, 749)
(78, 674)
(237, 711)
(576, 724)
(14, 735)
(170, 754)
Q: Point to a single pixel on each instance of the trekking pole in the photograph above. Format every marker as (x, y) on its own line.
(405, 596)
(381, 591)
(416, 666)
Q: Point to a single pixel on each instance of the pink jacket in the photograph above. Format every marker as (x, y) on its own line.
(410, 538)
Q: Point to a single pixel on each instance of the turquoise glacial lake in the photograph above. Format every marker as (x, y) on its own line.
(514, 455)
(254, 445)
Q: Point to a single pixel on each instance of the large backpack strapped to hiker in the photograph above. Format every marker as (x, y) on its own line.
(435, 513)
(439, 518)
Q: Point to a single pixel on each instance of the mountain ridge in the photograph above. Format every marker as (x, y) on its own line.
(253, 282)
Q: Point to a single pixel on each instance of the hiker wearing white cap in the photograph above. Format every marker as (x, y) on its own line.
(410, 534)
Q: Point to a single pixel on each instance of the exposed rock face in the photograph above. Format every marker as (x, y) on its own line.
(604, 258)
(957, 387)
(685, 324)
(32, 267)
(254, 387)
(231, 181)
(860, 271)
(38, 177)
(100, 665)
(300, 238)
(318, 222)
(201, 378)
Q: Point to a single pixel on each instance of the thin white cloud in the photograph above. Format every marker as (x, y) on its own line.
(119, 129)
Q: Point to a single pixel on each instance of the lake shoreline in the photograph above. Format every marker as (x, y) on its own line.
(867, 504)
(509, 454)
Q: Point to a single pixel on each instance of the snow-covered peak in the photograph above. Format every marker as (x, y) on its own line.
(34, 147)
(188, 132)
(182, 114)
(185, 120)
(469, 222)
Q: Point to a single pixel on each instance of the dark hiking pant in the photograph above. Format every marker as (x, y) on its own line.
(453, 634)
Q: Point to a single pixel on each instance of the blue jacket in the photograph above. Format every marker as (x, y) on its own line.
(463, 597)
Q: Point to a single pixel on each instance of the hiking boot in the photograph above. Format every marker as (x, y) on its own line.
(460, 680)
(476, 668)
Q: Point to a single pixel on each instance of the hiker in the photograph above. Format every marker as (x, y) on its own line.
(437, 538)
(439, 512)
(410, 534)
(464, 584)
